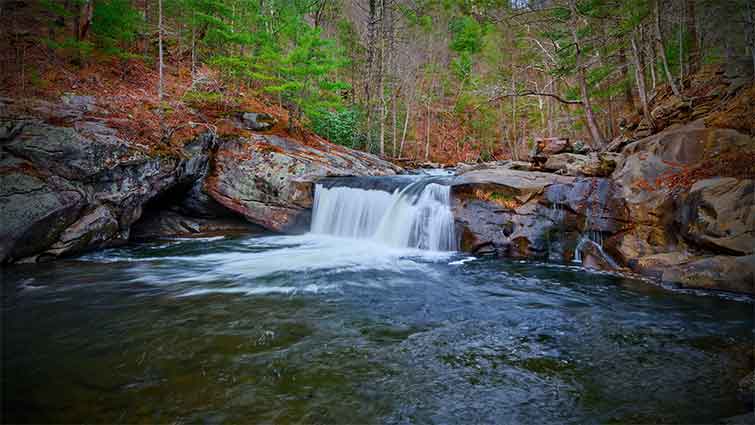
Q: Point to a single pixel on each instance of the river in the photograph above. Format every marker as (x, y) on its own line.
(323, 328)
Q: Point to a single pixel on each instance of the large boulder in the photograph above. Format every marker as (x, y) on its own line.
(553, 145)
(498, 210)
(65, 190)
(719, 214)
(720, 272)
(532, 214)
(268, 179)
(644, 176)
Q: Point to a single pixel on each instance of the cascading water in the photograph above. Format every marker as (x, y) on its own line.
(417, 216)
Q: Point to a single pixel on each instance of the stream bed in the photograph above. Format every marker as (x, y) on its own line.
(321, 329)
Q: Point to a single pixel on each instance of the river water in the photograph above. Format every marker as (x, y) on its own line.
(319, 328)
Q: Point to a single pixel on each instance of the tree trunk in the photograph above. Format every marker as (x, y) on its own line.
(193, 49)
(514, 135)
(628, 96)
(694, 45)
(381, 79)
(681, 47)
(652, 56)
(406, 125)
(394, 123)
(160, 49)
(146, 30)
(662, 50)
(427, 132)
(750, 20)
(639, 77)
(372, 19)
(592, 125)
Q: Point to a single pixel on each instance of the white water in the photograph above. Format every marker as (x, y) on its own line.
(419, 216)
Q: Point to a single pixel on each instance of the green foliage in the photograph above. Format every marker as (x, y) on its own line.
(114, 23)
(341, 127)
(200, 99)
(72, 48)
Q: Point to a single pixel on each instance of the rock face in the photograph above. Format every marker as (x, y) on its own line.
(699, 235)
(268, 179)
(719, 214)
(531, 214)
(168, 223)
(76, 186)
(64, 190)
(642, 177)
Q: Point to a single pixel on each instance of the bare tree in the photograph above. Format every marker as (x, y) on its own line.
(694, 44)
(750, 20)
(160, 49)
(661, 49)
(639, 76)
(592, 125)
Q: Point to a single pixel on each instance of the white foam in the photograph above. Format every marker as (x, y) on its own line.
(462, 261)
(419, 216)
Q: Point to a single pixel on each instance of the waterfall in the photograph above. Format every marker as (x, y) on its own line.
(593, 237)
(417, 216)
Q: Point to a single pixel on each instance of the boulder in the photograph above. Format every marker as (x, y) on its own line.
(462, 168)
(257, 121)
(65, 190)
(746, 389)
(719, 214)
(567, 163)
(552, 145)
(619, 143)
(594, 165)
(646, 166)
(268, 179)
(720, 272)
(594, 257)
(498, 209)
(532, 214)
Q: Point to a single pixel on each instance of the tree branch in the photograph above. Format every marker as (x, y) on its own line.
(534, 93)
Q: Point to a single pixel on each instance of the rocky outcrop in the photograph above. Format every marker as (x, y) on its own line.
(268, 179)
(76, 185)
(64, 190)
(656, 214)
(719, 214)
(169, 223)
(532, 214)
(592, 165)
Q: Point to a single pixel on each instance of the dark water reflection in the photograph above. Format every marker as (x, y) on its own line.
(316, 330)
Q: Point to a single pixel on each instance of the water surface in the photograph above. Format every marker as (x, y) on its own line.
(317, 329)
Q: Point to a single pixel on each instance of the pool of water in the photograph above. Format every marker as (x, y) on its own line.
(317, 329)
